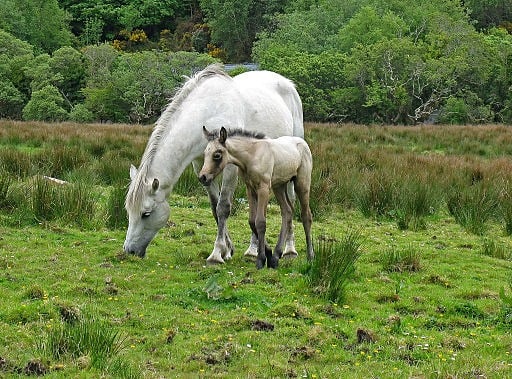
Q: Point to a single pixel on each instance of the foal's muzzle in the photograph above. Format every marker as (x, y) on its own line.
(205, 180)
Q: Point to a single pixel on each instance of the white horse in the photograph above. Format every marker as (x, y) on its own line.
(264, 163)
(261, 101)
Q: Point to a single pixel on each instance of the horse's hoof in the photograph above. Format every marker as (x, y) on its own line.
(214, 261)
(290, 255)
(251, 252)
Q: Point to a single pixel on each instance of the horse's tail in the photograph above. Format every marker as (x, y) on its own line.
(294, 103)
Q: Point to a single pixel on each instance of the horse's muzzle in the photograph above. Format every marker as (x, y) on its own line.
(141, 253)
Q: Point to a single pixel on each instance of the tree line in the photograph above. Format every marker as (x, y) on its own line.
(364, 61)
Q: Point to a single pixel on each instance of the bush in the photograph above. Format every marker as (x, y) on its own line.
(46, 104)
(80, 113)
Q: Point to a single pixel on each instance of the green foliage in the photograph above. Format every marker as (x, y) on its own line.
(43, 24)
(46, 104)
(134, 87)
(235, 23)
(398, 66)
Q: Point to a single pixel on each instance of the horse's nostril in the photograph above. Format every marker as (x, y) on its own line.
(202, 179)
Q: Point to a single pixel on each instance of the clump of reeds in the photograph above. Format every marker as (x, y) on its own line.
(492, 248)
(398, 260)
(334, 265)
(71, 203)
(92, 343)
(116, 213)
(472, 206)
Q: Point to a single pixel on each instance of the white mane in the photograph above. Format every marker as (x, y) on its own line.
(134, 196)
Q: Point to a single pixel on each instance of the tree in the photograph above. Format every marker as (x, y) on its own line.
(41, 23)
(15, 55)
(400, 64)
(96, 21)
(235, 23)
(46, 104)
(134, 87)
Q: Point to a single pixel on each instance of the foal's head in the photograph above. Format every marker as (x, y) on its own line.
(215, 155)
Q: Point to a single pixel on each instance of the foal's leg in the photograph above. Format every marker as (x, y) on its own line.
(302, 185)
(258, 201)
(289, 250)
(286, 222)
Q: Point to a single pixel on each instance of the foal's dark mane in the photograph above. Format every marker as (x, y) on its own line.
(237, 133)
(245, 133)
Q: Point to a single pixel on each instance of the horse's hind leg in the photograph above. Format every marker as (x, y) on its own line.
(289, 249)
(286, 222)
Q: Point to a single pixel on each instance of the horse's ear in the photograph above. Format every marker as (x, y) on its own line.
(155, 184)
(223, 136)
(133, 172)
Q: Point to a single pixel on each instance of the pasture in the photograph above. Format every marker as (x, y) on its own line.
(430, 295)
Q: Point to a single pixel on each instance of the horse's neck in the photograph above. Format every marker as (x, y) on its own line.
(175, 152)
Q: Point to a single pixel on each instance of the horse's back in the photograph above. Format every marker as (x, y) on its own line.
(277, 94)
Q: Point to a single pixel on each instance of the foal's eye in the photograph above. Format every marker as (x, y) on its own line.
(145, 215)
(217, 156)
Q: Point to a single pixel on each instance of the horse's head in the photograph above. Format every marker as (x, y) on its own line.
(148, 211)
(215, 156)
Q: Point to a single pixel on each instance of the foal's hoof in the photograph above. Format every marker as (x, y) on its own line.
(273, 262)
(260, 263)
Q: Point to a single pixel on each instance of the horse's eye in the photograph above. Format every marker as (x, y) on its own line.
(145, 215)
(217, 156)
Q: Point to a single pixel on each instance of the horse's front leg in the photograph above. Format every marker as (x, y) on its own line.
(220, 202)
(223, 244)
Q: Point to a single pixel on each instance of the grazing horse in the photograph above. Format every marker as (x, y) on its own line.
(264, 163)
(261, 101)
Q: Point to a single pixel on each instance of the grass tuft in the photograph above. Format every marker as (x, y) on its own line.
(86, 338)
(333, 265)
(407, 260)
(472, 207)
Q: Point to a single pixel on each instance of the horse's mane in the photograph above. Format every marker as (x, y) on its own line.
(134, 195)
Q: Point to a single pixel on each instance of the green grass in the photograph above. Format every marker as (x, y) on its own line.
(444, 313)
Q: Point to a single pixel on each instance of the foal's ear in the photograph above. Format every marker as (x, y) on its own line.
(223, 135)
(206, 133)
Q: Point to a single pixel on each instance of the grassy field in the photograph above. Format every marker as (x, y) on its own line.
(430, 296)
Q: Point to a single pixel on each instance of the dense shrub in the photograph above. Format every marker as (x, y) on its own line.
(46, 104)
